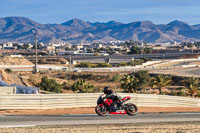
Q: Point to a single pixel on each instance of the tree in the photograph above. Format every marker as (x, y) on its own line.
(67, 49)
(192, 84)
(147, 50)
(134, 50)
(50, 85)
(160, 82)
(143, 78)
(81, 86)
(129, 83)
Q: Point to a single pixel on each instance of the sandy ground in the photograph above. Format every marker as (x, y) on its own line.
(92, 111)
(178, 127)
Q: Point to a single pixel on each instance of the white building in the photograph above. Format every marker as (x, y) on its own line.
(57, 44)
(9, 45)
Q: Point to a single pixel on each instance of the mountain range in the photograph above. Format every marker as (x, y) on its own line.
(19, 29)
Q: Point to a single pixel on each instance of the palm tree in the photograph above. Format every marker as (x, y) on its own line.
(192, 84)
(129, 83)
(160, 82)
(143, 78)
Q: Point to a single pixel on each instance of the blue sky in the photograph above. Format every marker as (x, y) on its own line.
(59, 11)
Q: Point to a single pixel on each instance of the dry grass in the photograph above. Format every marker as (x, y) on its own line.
(7, 60)
(99, 80)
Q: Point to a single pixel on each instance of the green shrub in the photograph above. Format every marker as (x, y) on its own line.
(8, 70)
(97, 54)
(93, 65)
(138, 62)
(84, 64)
(181, 93)
(122, 64)
(103, 65)
(81, 86)
(198, 94)
(90, 65)
(65, 86)
(116, 78)
(147, 59)
(131, 63)
(50, 85)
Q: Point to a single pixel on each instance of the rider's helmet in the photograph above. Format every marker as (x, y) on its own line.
(107, 90)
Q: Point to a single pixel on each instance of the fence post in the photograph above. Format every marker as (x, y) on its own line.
(41, 102)
(77, 97)
(0, 101)
(136, 99)
(198, 102)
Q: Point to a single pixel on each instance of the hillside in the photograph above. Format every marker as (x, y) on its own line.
(19, 29)
(7, 60)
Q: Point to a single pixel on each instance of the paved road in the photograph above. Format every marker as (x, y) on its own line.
(20, 121)
(113, 58)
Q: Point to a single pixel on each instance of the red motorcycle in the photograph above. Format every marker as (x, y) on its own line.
(108, 106)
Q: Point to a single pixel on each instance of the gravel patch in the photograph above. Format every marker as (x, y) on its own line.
(178, 127)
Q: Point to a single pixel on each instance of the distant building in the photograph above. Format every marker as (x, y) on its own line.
(116, 42)
(51, 49)
(9, 45)
(61, 52)
(57, 44)
(72, 52)
(79, 47)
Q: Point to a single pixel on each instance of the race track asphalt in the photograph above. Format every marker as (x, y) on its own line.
(42, 120)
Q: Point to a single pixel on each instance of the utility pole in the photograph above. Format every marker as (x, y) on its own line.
(133, 60)
(36, 59)
(70, 61)
(142, 48)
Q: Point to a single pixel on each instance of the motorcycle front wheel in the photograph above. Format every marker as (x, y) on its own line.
(101, 110)
(131, 109)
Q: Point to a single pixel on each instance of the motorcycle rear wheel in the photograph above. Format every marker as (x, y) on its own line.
(131, 109)
(101, 110)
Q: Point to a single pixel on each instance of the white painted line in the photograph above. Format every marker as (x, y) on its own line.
(7, 126)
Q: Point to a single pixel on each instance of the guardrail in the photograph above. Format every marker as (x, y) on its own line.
(101, 69)
(49, 101)
(128, 68)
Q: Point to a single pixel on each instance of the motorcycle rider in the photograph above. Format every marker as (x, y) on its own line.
(111, 95)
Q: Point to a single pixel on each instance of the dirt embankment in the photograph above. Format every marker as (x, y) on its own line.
(5, 77)
(92, 111)
(7, 60)
(12, 78)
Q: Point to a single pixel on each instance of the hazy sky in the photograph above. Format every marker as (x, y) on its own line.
(58, 11)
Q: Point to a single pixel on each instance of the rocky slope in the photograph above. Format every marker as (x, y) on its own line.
(19, 29)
